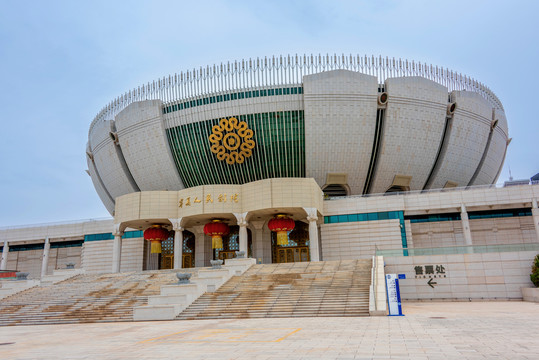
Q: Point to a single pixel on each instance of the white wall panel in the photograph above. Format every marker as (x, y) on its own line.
(469, 132)
(227, 109)
(105, 198)
(107, 161)
(340, 122)
(494, 158)
(144, 144)
(413, 128)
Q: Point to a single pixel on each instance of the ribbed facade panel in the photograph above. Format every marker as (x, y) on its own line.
(489, 172)
(340, 120)
(101, 192)
(107, 161)
(412, 134)
(144, 145)
(224, 104)
(468, 137)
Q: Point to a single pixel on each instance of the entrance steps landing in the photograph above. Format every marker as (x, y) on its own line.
(176, 297)
(306, 289)
(84, 298)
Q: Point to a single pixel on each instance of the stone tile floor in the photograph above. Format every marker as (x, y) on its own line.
(440, 330)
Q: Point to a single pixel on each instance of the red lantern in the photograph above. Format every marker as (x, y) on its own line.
(155, 234)
(281, 224)
(216, 229)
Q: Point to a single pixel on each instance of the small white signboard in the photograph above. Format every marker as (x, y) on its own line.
(393, 295)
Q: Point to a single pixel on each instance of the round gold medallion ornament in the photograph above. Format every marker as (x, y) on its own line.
(232, 141)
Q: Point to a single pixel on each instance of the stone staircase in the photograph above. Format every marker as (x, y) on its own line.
(307, 289)
(84, 298)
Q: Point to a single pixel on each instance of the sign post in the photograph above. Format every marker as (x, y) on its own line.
(393, 294)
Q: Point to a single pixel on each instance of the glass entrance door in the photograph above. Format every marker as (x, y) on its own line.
(167, 252)
(231, 244)
(297, 249)
(293, 254)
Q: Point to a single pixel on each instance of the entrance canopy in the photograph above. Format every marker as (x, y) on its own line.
(259, 200)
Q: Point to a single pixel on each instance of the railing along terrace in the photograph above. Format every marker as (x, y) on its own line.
(58, 223)
(412, 192)
(451, 250)
(285, 70)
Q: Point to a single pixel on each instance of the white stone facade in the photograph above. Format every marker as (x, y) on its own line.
(142, 138)
(469, 130)
(340, 121)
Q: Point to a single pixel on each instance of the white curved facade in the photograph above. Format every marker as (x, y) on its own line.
(340, 124)
(142, 139)
(468, 134)
(413, 129)
(308, 116)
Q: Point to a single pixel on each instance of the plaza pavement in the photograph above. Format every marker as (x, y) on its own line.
(438, 330)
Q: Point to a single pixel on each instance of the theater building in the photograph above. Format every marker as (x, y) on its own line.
(299, 158)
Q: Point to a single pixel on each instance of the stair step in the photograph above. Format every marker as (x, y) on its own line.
(84, 298)
(337, 288)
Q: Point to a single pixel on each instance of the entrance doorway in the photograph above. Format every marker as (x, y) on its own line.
(292, 254)
(188, 256)
(231, 244)
(297, 249)
(165, 260)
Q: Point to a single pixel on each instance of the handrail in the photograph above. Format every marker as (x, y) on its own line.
(374, 281)
(67, 222)
(452, 250)
(412, 192)
(438, 190)
(280, 70)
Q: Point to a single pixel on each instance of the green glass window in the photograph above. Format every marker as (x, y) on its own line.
(279, 150)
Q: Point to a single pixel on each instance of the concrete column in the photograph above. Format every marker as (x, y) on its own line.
(178, 247)
(266, 245)
(314, 248)
(535, 216)
(45, 260)
(258, 242)
(5, 251)
(117, 249)
(200, 254)
(178, 242)
(465, 225)
(243, 238)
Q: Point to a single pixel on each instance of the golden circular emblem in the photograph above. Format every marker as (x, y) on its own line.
(232, 141)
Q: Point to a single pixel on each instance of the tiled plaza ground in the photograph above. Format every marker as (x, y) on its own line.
(442, 330)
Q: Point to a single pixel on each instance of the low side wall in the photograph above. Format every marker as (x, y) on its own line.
(26, 261)
(358, 240)
(30, 260)
(97, 255)
(487, 276)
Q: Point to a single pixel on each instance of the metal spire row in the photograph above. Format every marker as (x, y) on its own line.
(285, 70)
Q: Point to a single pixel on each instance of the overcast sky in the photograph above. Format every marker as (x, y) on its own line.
(62, 61)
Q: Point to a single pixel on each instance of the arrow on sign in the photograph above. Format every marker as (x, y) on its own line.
(431, 283)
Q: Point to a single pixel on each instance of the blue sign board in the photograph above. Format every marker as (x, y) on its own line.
(393, 294)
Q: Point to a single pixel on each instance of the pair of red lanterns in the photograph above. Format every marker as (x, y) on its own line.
(281, 224)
